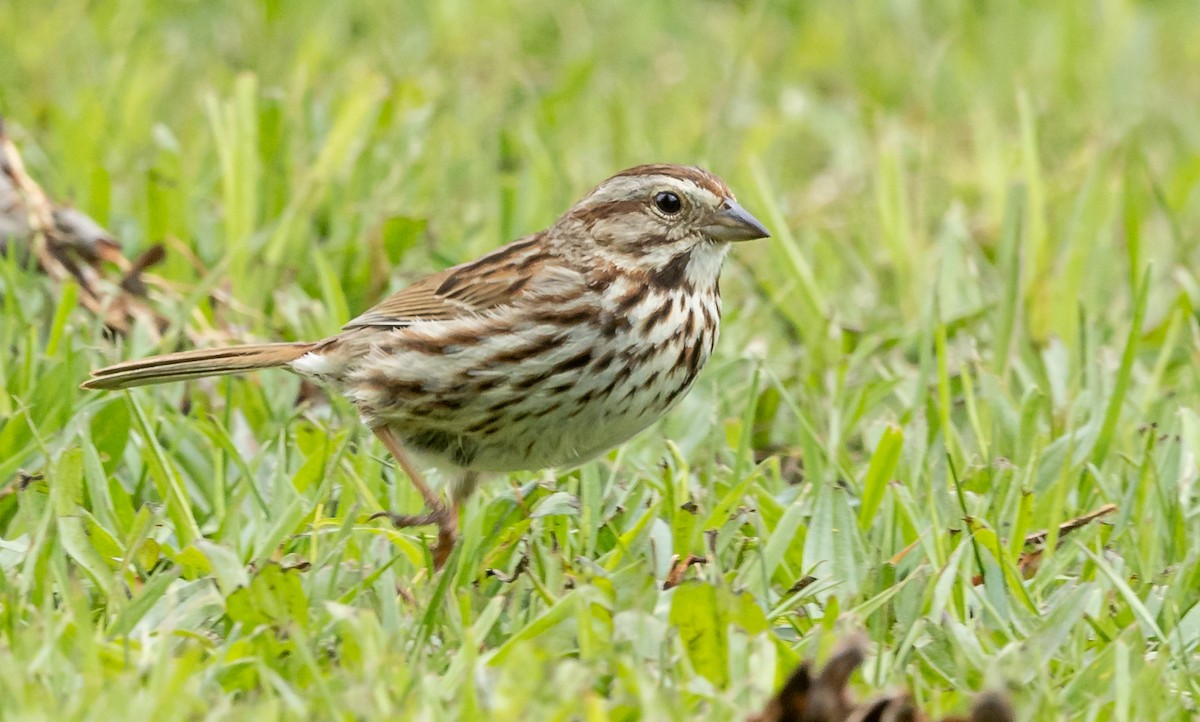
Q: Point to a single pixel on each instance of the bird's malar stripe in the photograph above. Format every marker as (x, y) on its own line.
(673, 274)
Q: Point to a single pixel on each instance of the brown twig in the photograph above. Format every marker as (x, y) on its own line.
(679, 567)
(1031, 559)
(1071, 525)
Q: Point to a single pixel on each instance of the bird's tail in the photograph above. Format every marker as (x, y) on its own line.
(196, 364)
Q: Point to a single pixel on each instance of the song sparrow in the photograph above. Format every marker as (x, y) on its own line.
(542, 353)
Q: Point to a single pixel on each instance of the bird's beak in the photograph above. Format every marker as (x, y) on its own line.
(734, 223)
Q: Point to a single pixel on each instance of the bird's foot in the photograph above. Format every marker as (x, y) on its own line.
(446, 520)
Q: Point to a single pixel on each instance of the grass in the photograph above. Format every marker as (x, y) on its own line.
(976, 319)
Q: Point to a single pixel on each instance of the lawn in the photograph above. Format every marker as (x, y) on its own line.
(976, 320)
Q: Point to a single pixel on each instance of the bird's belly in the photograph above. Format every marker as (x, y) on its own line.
(574, 418)
(562, 440)
(540, 396)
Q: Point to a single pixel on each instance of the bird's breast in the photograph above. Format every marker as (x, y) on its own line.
(540, 387)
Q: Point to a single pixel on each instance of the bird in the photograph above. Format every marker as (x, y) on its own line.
(541, 354)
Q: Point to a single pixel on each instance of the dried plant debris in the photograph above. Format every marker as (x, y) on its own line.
(68, 244)
(823, 697)
(1035, 544)
(679, 567)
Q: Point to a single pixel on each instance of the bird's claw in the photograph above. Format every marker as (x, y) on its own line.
(440, 517)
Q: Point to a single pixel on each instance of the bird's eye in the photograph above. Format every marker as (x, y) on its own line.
(668, 202)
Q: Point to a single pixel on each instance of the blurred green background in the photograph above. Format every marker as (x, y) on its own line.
(976, 319)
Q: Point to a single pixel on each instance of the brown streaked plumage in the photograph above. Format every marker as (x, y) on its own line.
(542, 353)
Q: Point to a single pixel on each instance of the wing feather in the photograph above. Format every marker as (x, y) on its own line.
(493, 280)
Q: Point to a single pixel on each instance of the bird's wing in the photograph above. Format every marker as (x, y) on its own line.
(496, 279)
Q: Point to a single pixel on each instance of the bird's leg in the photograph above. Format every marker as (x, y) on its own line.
(446, 518)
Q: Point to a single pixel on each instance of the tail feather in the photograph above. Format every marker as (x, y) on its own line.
(196, 364)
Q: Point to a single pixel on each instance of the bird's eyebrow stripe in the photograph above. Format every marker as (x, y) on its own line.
(697, 176)
(592, 214)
